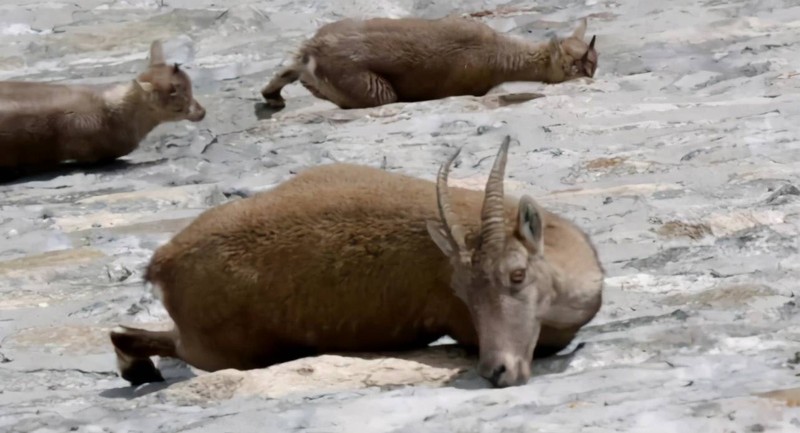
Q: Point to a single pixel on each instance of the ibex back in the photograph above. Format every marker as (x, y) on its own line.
(358, 64)
(351, 258)
(45, 124)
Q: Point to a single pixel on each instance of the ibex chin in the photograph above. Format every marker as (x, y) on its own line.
(45, 124)
(359, 64)
(346, 258)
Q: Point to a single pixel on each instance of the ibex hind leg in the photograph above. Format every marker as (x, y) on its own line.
(361, 89)
(272, 91)
(313, 90)
(134, 347)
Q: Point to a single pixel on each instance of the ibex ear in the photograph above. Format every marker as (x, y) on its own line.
(439, 236)
(580, 31)
(530, 227)
(156, 53)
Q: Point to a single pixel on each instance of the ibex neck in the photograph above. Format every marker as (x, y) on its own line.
(127, 108)
(520, 60)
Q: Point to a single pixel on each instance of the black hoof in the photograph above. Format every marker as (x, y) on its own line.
(275, 103)
(142, 371)
(274, 99)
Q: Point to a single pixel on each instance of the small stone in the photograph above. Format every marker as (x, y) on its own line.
(779, 196)
(134, 309)
(118, 273)
(483, 129)
(673, 229)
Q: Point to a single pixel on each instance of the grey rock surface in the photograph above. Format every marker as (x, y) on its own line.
(679, 158)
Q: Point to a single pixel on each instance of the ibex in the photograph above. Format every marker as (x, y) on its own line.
(347, 258)
(45, 124)
(359, 64)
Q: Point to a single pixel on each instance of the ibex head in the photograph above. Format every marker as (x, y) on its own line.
(584, 55)
(502, 276)
(168, 89)
(573, 57)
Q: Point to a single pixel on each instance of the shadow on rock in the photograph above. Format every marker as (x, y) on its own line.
(130, 392)
(264, 111)
(20, 175)
(173, 370)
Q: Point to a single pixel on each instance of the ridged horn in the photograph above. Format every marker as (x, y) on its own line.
(454, 230)
(493, 230)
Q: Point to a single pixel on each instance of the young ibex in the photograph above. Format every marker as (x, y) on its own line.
(344, 258)
(45, 124)
(359, 64)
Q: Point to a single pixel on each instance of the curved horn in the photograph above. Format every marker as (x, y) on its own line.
(454, 230)
(493, 230)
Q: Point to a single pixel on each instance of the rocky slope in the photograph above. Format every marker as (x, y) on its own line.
(679, 158)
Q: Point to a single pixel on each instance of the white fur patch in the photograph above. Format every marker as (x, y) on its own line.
(117, 95)
(119, 330)
(311, 66)
(123, 361)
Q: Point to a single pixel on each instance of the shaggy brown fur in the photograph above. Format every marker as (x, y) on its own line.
(341, 258)
(44, 124)
(358, 64)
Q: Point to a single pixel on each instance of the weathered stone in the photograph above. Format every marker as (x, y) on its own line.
(324, 374)
(726, 224)
(789, 396)
(678, 229)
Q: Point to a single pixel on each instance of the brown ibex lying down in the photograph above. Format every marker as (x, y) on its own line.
(351, 258)
(359, 64)
(44, 124)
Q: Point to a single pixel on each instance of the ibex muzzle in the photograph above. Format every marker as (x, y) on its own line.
(502, 276)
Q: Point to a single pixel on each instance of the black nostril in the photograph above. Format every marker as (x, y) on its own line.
(497, 373)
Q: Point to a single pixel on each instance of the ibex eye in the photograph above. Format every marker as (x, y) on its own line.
(518, 276)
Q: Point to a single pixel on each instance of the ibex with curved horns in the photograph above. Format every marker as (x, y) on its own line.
(359, 64)
(344, 258)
